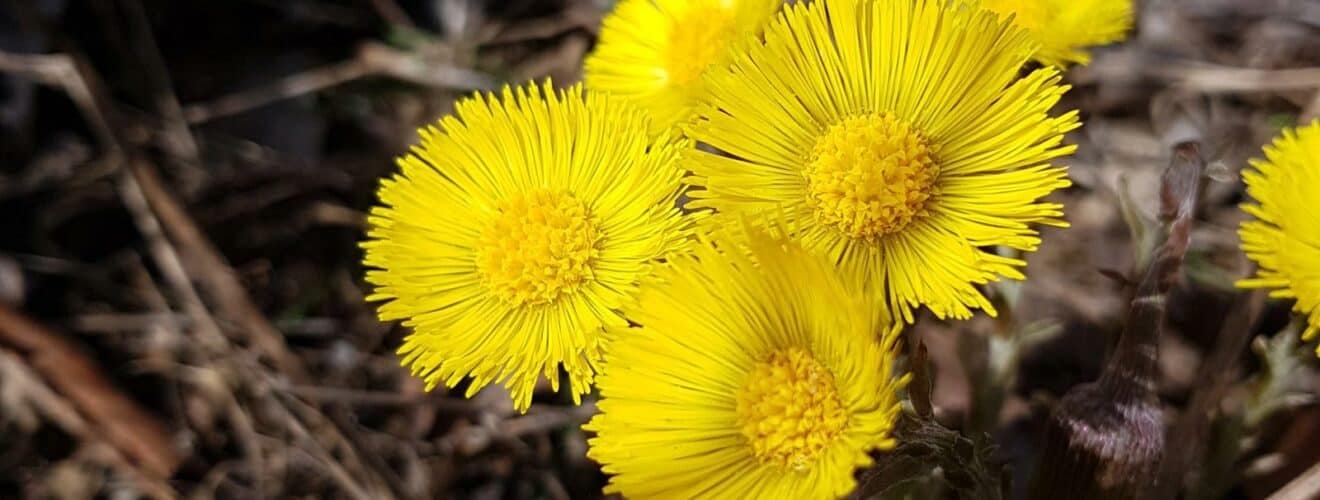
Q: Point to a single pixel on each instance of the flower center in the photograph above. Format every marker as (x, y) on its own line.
(1031, 14)
(539, 247)
(698, 38)
(870, 175)
(790, 410)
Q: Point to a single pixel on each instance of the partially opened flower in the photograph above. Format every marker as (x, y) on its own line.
(513, 232)
(897, 139)
(653, 52)
(1065, 29)
(758, 372)
(1284, 236)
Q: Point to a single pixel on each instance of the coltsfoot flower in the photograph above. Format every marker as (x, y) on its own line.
(515, 230)
(654, 52)
(1283, 238)
(896, 138)
(757, 372)
(1065, 29)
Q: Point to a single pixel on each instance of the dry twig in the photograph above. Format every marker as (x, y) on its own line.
(203, 262)
(109, 414)
(16, 373)
(1209, 78)
(1304, 487)
(372, 59)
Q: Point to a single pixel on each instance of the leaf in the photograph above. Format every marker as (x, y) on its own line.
(1143, 230)
(929, 458)
(1271, 389)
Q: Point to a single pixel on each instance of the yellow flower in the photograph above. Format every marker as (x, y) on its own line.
(1065, 28)
(515, 230)
(897, 139)
(1284, 237)
(756, 373)
(653, 52)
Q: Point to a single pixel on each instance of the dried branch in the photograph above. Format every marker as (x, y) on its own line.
(33, 390)
(372, 59)
(111, 415)
(1304, 487)
(65, 72)
(1210, 78)
(214, 302)
(181, 142)
(204, 263)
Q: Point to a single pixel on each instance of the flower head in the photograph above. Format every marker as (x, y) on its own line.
(654, 52)
(757, 373)
(1284, 236)
(1066, 28)
(516, 229)
(896, 138)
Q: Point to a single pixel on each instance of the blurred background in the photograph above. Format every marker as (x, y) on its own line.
(183, 187)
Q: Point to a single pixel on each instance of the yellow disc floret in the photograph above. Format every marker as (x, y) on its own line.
(790, 410)
(698, 39)
(514, 229)
(758, 369)
(900, 139)
(539, 247)
(654, 53)
(870, 175)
